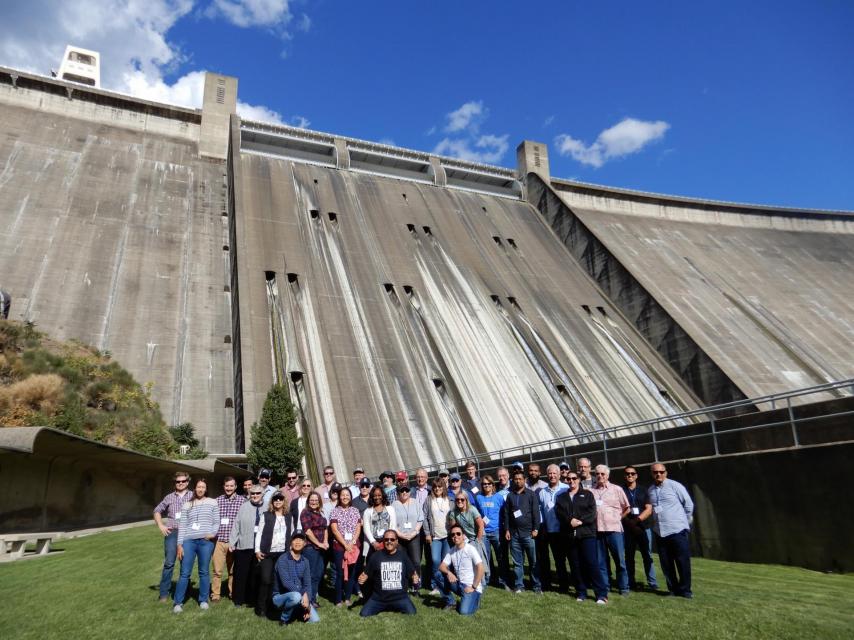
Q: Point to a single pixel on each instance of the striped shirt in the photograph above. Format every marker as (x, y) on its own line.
(171, 507)
(199, 519)
(228, 508)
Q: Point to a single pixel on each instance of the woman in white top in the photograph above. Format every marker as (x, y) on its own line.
(197, 530)
(273, 539)
(436, 510)
(378, 518)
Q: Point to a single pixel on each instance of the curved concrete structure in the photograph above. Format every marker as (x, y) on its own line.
(53, 481)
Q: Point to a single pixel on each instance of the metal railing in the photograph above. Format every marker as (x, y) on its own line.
(599, 440)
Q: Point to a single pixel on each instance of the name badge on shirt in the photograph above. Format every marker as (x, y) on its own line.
(178, 516)
(407, 525)
(223, 520)
(517, 513)
(599, 503)
(380, 532)
(195, 526)
(256, 528)
(635, 511)
(486, 521)
(657, 509)
(475, 490)
(348, 536)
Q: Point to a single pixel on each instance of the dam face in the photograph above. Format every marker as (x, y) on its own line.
(418, 308)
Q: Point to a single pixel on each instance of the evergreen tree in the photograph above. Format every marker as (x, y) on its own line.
(275, 444)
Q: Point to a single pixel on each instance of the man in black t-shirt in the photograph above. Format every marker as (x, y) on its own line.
(637, 534)
(391, 573)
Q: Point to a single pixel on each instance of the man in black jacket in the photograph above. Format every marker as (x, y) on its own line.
(637, 534)
(522, 515)
(576, 512)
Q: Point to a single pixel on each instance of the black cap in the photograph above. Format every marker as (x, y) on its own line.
(365, 482)
(385, 474)
(335, 488)
(265, 473)
(277, 495)
(564, 465)
(404, 488)
(298, 534)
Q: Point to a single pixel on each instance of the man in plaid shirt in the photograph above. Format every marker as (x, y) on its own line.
(229, 502)
(171, 507)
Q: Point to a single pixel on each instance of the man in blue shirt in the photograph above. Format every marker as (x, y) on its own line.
(293, 584)
(672, 512)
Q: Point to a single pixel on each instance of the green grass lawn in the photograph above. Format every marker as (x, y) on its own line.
(105, 586)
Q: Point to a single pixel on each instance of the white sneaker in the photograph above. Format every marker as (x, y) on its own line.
(204, 606)
(177, 609)
(435, 592)
(601, 601)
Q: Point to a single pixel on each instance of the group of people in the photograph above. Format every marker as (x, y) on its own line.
(278, 543)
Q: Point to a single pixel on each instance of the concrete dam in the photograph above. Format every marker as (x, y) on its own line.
(419, 308)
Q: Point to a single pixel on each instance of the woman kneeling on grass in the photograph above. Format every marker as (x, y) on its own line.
(196, 534)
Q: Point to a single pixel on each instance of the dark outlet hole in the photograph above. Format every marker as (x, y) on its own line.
(333, 216)
(411, 228)
(225, 247)
(586, 308)
(226, 289)
(229, 403)
(407, 289)
(314, 213)
(296, 376)
(427, 231)
(292, 277)
(388, 287)
(601, 310)
(270, 275)
(227, 340)
(437, 383)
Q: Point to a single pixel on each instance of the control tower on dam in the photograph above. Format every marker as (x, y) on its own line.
(418, 308)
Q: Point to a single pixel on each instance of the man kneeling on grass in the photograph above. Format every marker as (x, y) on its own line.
(293, 584)
(466, 578)
(391, 573)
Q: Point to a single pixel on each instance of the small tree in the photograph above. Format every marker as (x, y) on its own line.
(275, 444)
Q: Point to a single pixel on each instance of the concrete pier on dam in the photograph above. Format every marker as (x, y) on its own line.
(419, 308)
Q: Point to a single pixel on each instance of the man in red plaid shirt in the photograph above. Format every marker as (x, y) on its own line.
(229, 502)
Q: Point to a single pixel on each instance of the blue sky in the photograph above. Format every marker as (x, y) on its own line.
(744, 101)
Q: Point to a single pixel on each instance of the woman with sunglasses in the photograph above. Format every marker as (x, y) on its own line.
(491, 504)
(465, 514)
(298, 504)
(199, 523)
(273, 539)
(576, 512)
(346, 526)
(436, 510)
(314, 526)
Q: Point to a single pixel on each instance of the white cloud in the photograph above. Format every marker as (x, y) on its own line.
(624, 138)
(252, 13)
(131, 37)
(488, 149)
(469, 116)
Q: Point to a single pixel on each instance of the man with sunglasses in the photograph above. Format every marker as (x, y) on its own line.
(611, 507)
(264, 477)
(466, 578)
(390, 573)
(672, 512)
(636, 532)
(228, 503)
(171, 507)
(328, 481)
(291, 486)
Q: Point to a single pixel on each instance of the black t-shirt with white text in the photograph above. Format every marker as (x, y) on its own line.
(389, 574)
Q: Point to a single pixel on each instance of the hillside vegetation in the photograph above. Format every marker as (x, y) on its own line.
(76, 388)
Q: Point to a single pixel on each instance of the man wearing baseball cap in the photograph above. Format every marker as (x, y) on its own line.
(358, 474)
(293, 584)
(387, 483)
(264, 477)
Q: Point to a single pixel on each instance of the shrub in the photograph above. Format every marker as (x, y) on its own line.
(39, 393)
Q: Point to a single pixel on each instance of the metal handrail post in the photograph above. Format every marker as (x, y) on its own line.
(714, 436)
(792, 422)
(605, 448)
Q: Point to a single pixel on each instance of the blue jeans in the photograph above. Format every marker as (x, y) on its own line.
(492, 544)
(438, 550)
(343, 588)
(640, 542)
(469, 602)
(612, 542)
(204, 550)
(170, 552)
(372, 607)
(518, 543)
(674, 553)
(291, 605)
(315, 566)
